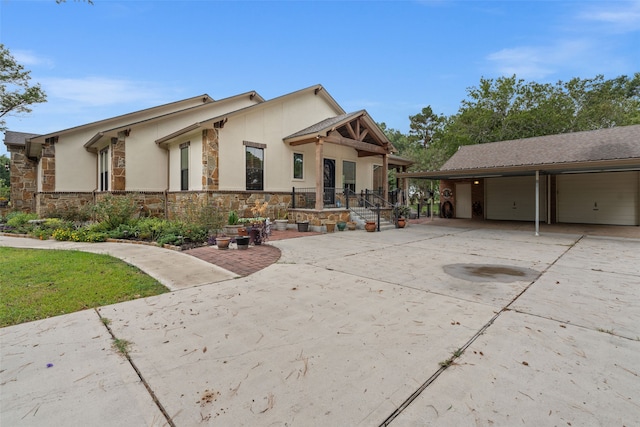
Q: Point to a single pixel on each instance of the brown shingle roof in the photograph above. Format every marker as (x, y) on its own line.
(616, 143)
(323, 125)
(17, 138)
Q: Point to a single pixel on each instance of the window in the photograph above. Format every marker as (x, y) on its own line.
(349, 175)
(255, 168)
(184, 166)
(298, 166)
(103, 169)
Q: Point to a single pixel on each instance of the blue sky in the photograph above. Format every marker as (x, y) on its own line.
(391, 58)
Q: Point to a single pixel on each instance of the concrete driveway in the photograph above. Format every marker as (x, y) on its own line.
(416, 326)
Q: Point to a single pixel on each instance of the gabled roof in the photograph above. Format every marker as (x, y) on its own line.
(317, 90)
(589, 146)
(341, 127)
(106, 132)
(176, 106)
(324, 125)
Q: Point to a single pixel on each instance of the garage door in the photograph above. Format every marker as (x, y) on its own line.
(514, 198)
(598, 198)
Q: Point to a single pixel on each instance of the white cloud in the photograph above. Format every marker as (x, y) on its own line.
(535, 62)
(102, 91)
(30, 59)
(620, 17)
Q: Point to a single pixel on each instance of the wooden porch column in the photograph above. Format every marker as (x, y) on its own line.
(319, 174)
(385, 182)
(405, 186)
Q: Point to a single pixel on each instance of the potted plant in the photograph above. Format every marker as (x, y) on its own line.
(331, 226)
(232, 224)
(242, 242)
(282, 221)
(401, 213)
(222, 241)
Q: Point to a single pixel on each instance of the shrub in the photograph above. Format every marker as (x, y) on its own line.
(113, 211)
(81, 235)
(18, 219)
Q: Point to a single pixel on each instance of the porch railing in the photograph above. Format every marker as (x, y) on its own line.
(334, 197)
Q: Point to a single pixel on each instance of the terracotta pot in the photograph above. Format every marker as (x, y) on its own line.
(370, 226)
(401, 222)
(351, 225)
(331, 226)
(223, 242)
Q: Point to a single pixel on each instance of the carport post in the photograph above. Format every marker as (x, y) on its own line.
(537, 203)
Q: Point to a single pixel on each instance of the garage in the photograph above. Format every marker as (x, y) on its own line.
(514, 198)
(598, 198)
(587, 177)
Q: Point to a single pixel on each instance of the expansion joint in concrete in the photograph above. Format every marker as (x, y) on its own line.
(170, 422)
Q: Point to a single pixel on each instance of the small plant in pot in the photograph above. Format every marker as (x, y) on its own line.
(401, 213)
(281, 221)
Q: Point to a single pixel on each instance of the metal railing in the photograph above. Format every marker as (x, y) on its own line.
(305, 198)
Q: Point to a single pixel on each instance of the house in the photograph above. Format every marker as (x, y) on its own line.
(590, 177)
(230, 152)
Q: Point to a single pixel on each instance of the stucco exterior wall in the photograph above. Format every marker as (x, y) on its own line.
(268, 126)
(146, 163)
(76, 168)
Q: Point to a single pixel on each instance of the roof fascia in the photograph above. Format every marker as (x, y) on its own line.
(224, 117)
(206, 99)
(552, 169)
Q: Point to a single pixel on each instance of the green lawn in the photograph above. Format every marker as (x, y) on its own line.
(35, 284)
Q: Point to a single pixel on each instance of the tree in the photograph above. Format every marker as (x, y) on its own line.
(4, 177)
(16, 94)
(424, 125)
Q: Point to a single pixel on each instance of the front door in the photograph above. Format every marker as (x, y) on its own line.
(329, 181)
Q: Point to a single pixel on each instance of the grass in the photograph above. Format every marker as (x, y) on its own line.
(36, 284)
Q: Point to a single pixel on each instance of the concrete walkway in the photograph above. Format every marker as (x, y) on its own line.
(417, 326)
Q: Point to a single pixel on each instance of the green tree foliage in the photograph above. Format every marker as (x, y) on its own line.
(4, 168)
(509, 108)
(16, 94)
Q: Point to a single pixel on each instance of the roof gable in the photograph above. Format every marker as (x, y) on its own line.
(317, 90)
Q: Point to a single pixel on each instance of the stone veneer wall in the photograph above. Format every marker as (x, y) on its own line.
(48, 165)
(62, 203)
(23, 181)
(318, 218)
(176, 205)
(118, 163)
(210, 156)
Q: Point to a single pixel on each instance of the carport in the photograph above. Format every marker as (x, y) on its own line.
(588, 177)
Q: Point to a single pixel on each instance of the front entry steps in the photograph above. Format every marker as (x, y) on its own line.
(359, 215)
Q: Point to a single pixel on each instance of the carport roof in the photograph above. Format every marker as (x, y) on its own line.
(613, 148)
